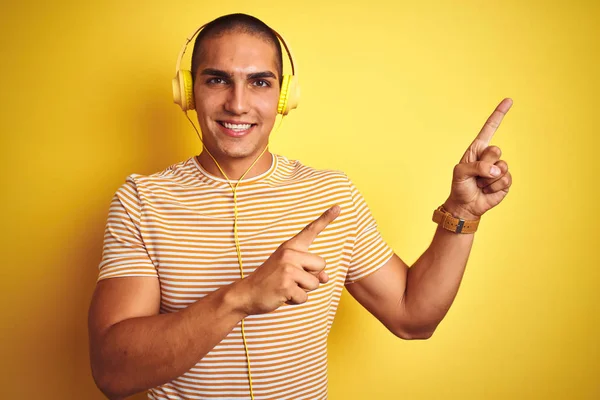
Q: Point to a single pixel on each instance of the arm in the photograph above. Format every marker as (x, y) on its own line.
(134, 348)
(411, 302)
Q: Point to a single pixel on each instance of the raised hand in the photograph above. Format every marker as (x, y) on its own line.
(289, 273)
(480, 180)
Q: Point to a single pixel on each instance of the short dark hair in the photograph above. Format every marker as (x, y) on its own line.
(236, 23)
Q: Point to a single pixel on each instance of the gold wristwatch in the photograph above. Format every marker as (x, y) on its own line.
(449, 222)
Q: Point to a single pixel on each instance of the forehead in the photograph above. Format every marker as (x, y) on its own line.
(237, 51)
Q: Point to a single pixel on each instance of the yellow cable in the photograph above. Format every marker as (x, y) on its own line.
(235, 232)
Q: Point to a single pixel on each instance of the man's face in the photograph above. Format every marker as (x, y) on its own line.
(236, 91)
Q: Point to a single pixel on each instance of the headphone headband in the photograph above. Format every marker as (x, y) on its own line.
(191, 37)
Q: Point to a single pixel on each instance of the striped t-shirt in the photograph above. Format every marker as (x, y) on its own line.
(177, 225)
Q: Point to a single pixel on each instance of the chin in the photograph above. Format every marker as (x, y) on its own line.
(224, 146)
(239, 151)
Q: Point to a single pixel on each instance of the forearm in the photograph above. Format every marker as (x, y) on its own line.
(141, 353)
(434, 279)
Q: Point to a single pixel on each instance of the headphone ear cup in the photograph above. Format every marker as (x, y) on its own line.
(289, 95)
(183, 90)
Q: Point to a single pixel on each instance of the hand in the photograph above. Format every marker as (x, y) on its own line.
(289, 273)
(475, 189)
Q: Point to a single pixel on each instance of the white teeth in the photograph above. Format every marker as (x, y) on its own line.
(237, 127)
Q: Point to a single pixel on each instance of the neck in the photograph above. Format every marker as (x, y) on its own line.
(235, 168)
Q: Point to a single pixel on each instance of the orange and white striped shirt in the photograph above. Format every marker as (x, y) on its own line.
(177, 225)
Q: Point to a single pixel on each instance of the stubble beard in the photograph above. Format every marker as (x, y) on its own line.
(245, 147)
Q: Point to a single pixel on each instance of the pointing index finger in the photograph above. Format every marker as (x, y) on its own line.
(492, 123)
(306, 236)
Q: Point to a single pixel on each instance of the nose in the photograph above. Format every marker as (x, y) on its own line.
(237, 101)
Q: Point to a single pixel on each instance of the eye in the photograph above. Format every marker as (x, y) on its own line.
(216, 81)
(262, 83)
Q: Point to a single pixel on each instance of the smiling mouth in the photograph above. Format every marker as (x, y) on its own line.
(236, 130)
(236, 127)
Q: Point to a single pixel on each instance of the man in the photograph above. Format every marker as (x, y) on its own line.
(182, 323)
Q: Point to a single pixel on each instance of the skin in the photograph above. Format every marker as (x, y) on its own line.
(235, 93)
(411, 302)
(133, 347)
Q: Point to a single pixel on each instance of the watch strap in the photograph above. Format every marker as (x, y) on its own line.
(453, 224)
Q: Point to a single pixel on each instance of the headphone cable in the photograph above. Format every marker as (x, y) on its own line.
(235, 231)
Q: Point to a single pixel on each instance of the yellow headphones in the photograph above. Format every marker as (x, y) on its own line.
(183, 87)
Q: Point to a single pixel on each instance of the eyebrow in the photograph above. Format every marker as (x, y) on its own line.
(224, 74)
(264, 74)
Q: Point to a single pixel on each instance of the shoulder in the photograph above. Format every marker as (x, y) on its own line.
(295, 170)
(173, 176)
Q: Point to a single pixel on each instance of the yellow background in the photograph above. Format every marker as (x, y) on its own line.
(392, 94)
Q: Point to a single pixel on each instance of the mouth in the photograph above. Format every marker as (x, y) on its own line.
(236, 129)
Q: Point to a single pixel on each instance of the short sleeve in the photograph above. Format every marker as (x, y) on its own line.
(369, 252)
(124, 252)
